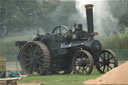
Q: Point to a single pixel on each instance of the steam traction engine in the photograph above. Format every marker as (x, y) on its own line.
(64, 51)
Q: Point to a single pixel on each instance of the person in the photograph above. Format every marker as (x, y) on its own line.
(79, 32)
(68, 37)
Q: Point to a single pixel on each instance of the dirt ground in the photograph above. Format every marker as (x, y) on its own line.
(117, 75)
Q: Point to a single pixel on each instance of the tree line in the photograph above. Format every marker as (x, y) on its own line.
(23, 15)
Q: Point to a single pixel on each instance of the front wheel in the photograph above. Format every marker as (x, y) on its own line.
(107, 61)
(82, 62)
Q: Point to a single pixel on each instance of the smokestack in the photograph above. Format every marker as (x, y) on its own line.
(89, 14)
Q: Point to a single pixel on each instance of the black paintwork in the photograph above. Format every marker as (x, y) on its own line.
(62, 46)
(64, 43)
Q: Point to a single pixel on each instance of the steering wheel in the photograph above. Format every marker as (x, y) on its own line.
(62, 29)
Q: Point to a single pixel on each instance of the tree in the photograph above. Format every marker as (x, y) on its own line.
(20, 14)
(28, 14)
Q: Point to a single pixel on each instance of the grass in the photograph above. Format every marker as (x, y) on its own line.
(70, 79)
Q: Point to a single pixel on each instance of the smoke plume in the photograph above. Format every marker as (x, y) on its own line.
(105, 12)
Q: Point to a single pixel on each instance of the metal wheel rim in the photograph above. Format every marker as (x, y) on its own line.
(32, 62)
(107, 61)
(82, 62)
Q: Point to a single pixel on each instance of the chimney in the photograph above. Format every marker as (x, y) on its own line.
(89, 14)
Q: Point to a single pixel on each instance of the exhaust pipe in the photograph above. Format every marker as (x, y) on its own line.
(89, 14)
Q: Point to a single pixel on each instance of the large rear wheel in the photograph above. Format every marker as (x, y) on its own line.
(82, 62)
(34, 58)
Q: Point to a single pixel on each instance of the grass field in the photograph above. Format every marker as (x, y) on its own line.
(70, 79)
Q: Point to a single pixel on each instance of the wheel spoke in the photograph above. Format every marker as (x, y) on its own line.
(109, 66)
(40, 68)
(40, 63)
(32, 47)
(86, 59)
(101, 65)
(108, 57)
(26, 54)
(28, 59)
(30, 70)
(104, 68)
(39, 52)
(79, 56)
(111, 58)
(78, 68)
(85, 70)
(36, 50)
(104, 56)
(28, 64)
(30, 52)
(76, 64)
(35, 67)
(40, 56)
(100, 62)
(82, 55)
(37, 70)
